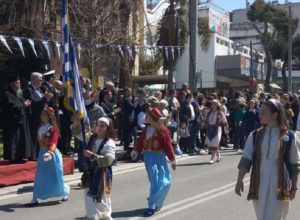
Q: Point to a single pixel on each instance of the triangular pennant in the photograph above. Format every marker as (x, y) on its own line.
(3, 40)
(57, 44)
(129, 50)
(79, 50)
(172, 51)
(46, 45)
(166, 50)
(31, 42)
(120, 50)
(136, 49)
(20, 44)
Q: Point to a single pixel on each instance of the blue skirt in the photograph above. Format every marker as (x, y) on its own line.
(49, 180)
(159, 178)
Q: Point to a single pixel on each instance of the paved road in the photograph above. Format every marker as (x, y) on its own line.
(199, 191)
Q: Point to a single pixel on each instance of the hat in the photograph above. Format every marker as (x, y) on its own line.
(49, 73)
(13, 78)
(154, 113)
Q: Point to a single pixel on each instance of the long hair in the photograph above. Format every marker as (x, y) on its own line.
(281, 118)
(52, 118)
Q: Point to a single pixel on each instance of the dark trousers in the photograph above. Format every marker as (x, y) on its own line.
(127, 134)
(82, 163)
(239, 137)
(194, 131)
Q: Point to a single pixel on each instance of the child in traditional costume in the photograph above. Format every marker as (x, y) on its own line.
(272, 151)
(215, 119)
(101, 153)
(49, 181)
(155, 142)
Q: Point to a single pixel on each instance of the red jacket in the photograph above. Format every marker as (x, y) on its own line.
(159, 142)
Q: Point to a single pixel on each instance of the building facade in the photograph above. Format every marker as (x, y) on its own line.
(225, 64)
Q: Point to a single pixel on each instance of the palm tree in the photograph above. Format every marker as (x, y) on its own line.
(173, 31)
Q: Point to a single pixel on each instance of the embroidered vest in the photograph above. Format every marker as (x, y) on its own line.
(283, 159)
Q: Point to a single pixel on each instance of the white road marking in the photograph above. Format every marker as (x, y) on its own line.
(195, 200)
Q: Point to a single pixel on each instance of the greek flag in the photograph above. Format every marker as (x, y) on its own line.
(73, 100)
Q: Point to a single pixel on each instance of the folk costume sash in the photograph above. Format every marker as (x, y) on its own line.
(283, 161)
(101, 178)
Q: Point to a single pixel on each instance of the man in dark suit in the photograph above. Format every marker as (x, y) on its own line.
(190, 113)
(38, 100)
(128, 107)
(16, 136)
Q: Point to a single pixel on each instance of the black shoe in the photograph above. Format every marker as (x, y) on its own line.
(65, 199)
(149, 212)
(157, 209)
(31, 204)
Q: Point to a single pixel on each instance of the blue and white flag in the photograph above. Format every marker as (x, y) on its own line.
(73, 100)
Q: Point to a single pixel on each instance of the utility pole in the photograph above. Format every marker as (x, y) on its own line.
(290, 41)
(251, 60)
(193, 7)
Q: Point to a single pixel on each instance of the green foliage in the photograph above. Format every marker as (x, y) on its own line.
(149, 66)
(296, 47)
(172, 29)
(275, 41)
(204, 32)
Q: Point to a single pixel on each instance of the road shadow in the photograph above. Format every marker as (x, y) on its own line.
(129, 213)
(25, 189)
(12, 207)
(192, 164)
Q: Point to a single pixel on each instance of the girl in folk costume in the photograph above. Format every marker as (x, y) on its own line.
(49, 180)
(155, 141)
(215, 119)
(273, 153)
(101, 153)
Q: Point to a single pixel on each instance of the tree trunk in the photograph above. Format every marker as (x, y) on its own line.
(284, 78)
(269, 68)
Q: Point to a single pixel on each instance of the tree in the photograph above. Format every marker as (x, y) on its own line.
(150, 66)
(273, 20)
(102, 22)
(279, 44)
(172, 31)
(204, 33)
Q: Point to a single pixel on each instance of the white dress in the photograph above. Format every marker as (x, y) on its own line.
(268, 207)
(100, 210)
(212, 119)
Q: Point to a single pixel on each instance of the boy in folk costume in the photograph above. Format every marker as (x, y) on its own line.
(215, 119)
(273, 153)
(155, 142)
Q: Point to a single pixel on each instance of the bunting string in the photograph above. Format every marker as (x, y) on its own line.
(169, 52)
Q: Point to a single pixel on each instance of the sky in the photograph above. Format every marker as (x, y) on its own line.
(230, 5)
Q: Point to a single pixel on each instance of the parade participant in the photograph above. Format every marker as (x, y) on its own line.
(49, 181)
(273, 153)
(16, 131)
(215, 119)
(154, 142)
(101, 152)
